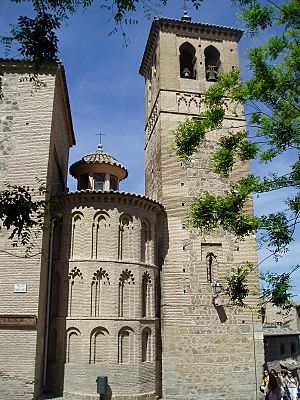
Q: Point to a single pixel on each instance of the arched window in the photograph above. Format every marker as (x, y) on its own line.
(83, 182)
(210, 267)
(125, 345)
(187, 61)
(99, 286)
(73, 345)
(77, 239)
(99, 346)
(100, 239)
(146, 295)
(75, 278)
(114, 183)
(146, 242)
(125, 247)
(212, 63)
(100, 227)
(126, 293)
(99, 180)
(146, 345)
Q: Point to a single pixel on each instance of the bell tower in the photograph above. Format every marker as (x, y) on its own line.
(209, 350)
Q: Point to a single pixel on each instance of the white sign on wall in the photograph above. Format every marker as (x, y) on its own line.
(20, 288)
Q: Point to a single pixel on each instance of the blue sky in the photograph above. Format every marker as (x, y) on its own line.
(107, 93)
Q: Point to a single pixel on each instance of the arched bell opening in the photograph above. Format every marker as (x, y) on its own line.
(212, 63)
(187, 61)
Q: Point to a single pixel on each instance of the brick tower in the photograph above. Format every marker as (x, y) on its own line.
(209, 350)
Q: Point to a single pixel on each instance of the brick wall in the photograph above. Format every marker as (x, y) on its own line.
(26, 116)
(208, 352)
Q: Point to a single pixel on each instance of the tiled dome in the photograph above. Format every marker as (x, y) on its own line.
(97, 157)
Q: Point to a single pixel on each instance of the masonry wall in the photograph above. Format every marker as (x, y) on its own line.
(26, 119)
(281, 347)
(211, 352)
(105, 294)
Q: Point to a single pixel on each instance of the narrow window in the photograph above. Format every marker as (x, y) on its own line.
(83, 182)
(99, 182)
(187, 61)
(210, 261)
(146, 345)
(212, 63)
(146, 295)
(114, 183)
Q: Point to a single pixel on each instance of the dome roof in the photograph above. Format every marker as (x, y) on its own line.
(98, 157)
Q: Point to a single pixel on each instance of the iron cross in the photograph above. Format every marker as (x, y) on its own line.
(100, 136)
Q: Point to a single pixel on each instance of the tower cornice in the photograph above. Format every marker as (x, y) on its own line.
(188, 29)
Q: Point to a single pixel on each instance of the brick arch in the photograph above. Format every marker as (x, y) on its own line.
(187, 61)
(146, 241)
(146, 344)
(75, 277)
(125, 345)
(193, 106)
(125, 244)
(126, 293)
(212, 63)
(99, 345)
(99, 292)
(100, 232)
(182, 104)
(77, 236)
(147, 294)
(72, 344)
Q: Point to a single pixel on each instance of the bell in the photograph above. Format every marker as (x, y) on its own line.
(212, 76)
(186, 73)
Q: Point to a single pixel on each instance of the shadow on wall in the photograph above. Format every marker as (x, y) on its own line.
(221, 313)
(108, 394)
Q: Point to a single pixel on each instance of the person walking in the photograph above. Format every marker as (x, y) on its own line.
(292, 384)
(265, 381)
(273, 390)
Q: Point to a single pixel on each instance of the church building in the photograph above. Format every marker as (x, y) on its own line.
(121, 299)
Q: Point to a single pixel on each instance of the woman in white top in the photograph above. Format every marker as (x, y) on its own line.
(292, 383)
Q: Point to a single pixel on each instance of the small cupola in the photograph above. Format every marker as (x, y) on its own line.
(98, 171)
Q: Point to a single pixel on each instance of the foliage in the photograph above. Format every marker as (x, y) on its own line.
(37, 36)
(272, 97)
(208, 211)
(236, 284)
(277, 289)
(21, 212)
